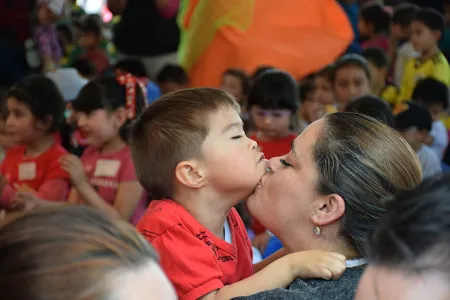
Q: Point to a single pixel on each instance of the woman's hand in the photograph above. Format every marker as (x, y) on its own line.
(74, 167)
(317, 264)
(260, 241)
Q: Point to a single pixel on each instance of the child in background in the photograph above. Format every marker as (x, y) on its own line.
(310, 108)
(379, 67)
(374, 24)
(434, 95)
(374, 107)
(104, 177)
(6, 139)
(444, 45)
(172, 78)
(427, 28)
(351, 79)
(35, 112)
(404, 50)
(237, 83)
(191, 153)
(413, 121)
(273, 103)
(90, 42)
(48, 12)
(324, 89)
(84, 68)
(136, 68)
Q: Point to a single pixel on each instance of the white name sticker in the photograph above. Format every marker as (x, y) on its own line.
(27, 171)
(106, 168)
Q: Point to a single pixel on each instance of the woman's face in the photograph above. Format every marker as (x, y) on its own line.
(284, 198)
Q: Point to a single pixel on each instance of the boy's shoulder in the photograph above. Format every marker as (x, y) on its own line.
(163, 215)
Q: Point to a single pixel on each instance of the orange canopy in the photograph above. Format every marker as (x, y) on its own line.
(299, 36)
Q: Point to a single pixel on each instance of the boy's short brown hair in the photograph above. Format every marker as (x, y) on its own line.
(171, 130)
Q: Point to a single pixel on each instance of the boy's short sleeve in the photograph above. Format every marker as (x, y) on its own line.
(187, 261)
(442, 73)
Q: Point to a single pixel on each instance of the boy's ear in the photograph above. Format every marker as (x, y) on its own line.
(121, 116)
(190, 173)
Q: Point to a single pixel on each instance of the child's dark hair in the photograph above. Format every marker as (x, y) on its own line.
(274, 89)
(326, 72)
(376, 56)
(65, 30)
(306, 90)
(172, 73)
(107, 93)
(259, 70)
(84, 67)
(133, 66)
(404, 13)
(415, 115)
(243, 77)
(42, 97)
(432, 19)
(351, 60)
(375, 13)
(91, 25)
(374, 107)
(431, 91)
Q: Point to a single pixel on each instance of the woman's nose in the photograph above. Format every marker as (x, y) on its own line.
(274, 163)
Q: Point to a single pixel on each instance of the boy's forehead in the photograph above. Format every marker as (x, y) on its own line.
(223, 116)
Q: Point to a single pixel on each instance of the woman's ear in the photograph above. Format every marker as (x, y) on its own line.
(328, 209)
(190, 174)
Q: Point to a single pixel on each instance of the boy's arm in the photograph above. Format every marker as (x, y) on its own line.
(305, 264)
(264, 263)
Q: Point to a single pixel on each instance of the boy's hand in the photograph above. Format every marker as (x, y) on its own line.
(317, 264)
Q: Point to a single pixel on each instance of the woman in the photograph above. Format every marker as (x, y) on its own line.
(327, 192)
(76, 252)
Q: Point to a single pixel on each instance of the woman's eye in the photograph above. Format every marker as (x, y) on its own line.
(285, 163)
(236, 137)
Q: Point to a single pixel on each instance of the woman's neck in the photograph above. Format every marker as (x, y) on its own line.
(39, 146)
(112, 145)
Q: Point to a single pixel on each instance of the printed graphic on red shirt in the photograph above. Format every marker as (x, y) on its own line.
(196, 261)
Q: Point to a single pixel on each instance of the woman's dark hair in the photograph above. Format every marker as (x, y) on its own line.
(68, 252)
(363, 161)
(351, 60)
(375, 14)
(42, 97)
(374, 107)
(414, 235)
(107, 93)
(274, 89)
(243, 77)
(133, 66)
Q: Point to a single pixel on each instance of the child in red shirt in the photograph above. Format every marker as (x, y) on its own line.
(273, 103)
(104, 177)
(374, 25)
(191, 153)
(35, 111)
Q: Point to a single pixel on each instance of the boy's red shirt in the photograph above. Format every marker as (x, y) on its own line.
(196, 261)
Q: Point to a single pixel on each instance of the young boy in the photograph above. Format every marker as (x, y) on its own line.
(172, 78)
(191, 153)
(310, 109)
(90, 42)
(378, 62)
(427, 29)
(401, 34)
(413, 121)
(434, 95)
(351, 79)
